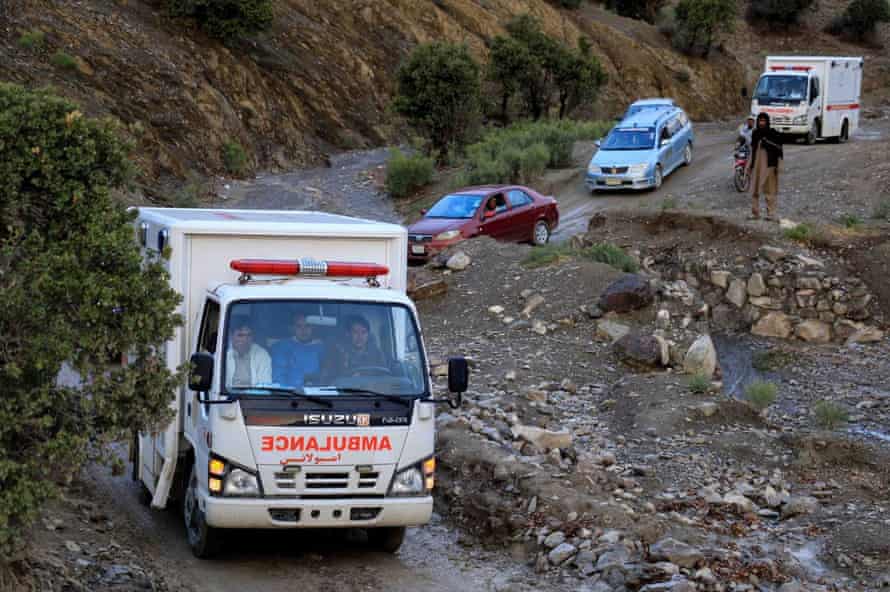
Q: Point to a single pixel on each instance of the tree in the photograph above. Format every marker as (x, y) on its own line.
(542, 70)
(438, 92)
(777, 13)
(860, 19)
(700, 22)
(646, 10)
(226, 19)
(73, 289)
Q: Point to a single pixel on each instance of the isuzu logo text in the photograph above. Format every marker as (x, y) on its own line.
(345, 419)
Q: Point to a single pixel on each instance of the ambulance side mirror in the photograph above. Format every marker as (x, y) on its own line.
(201, 372)
(458, 380)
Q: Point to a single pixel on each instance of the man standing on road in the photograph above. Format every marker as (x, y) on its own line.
(766, 155)
(745, 132)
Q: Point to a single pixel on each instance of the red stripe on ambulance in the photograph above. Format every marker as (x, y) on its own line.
(325, 444)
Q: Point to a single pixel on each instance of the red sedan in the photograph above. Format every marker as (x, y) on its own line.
(504, 212)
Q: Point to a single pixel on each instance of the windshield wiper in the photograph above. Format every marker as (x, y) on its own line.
(374, 394)
(291, 392)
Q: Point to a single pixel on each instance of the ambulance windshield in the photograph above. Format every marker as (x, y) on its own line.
(322, 348)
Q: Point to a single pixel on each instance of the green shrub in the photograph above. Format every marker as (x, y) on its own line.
(234, 158)
(438, 92)
(60, 59)
(777, 13)
(761, 394)
(75, 289)
(860, 18)
(646, 10)
(610, 255)
(32, 39)
(882, 209)
(770, 360)
(699, 384)
(698, 24)
(830, 415)
(801, 233)
(227, 20)
(406, 174)
(851, 220)
(545, 255)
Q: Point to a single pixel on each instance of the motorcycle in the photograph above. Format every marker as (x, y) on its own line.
(741, 178)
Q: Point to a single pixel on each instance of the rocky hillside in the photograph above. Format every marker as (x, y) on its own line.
(319, 80)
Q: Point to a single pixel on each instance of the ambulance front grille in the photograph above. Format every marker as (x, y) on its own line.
(290, 481)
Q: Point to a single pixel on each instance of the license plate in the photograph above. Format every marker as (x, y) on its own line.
(613, 181)
(418, 249)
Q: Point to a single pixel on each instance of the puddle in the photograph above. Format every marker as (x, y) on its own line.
(871, 434)
(736, 357)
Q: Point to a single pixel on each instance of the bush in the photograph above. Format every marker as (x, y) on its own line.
(610, 255)
(228, 20)
(406, 174)
(850, 220)
(63, 60)
(75, 289)
(699, 384)
(439, 94)
(699, 23)
(860, 19)
(830, 415)
(770, 360)
(516, 153)
(777, 13)
(801, 233)
(545, 255)
(32, 39)
(646, 10)
(761, 394)
(234, 158)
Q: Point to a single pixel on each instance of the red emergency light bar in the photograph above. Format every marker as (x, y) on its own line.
(792, 68)
(308, 267)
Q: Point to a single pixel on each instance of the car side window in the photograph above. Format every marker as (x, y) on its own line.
(209, 327)
(519, 198)
(496, 204)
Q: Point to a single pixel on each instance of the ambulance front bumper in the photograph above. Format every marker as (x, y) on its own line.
(316, 513)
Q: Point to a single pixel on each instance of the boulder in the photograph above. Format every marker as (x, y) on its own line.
(611, 330)
(737, 293)
(720, 278)
(677, 552)
(866, 335)
(593, 311)
(422, 284)
(800, 505)
(541, 438)
(555, 539)
(772, 254)
(561, 553)
(756, 285)
(701, 357)
(639, 350)
(459, 261)
(533, 302)
(627, 293)
(663, 319)
(844, 329)
(727, 318)
(813, 331)
(774, 324)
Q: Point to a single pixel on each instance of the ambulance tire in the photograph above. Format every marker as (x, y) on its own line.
(204, 540)
(388, 539)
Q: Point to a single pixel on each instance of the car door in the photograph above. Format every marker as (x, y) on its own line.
(498, 225)
(677, 141)
(665, 149)
(523, 214)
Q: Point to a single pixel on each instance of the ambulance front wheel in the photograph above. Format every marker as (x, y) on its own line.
(387, 539)
(204, 540)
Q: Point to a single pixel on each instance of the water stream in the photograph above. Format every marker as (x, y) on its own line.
(735, 354)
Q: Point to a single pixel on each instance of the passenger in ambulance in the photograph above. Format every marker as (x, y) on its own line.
(295, 358)
(359, 355)
(247, 364)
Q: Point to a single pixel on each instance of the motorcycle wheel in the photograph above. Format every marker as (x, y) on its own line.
(741, 180)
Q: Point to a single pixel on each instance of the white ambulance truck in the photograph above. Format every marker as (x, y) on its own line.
(308, 402)
(810, 97)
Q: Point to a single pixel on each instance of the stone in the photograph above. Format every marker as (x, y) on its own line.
(839, 308)
(423, 284)
(865, 335)
(73, 547)
(539, 327)
(676, 584)
(720, 278)
(771, 497)
(611, 330)
(628, 293)
(765, 302)
(800, 505)
(771, 254)
(496, 309)
(459, 261)
(561, 553)
(555, 539)
(809, 283)
(756, 285)
(727, 318)
(737, 293)
(707, 409)
(663, 319)
(593, 311)
(678, 552)
(541, 438)
(806, 298)
(616, 556)
(844, 329)
(810, 262)
(792, 587)
(701, 358)
(773, 324)
(639, 350)
(738, 502)
(813, 331)
(531, 304)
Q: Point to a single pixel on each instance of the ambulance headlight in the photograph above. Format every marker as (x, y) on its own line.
(408, 482)
(241, 483)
